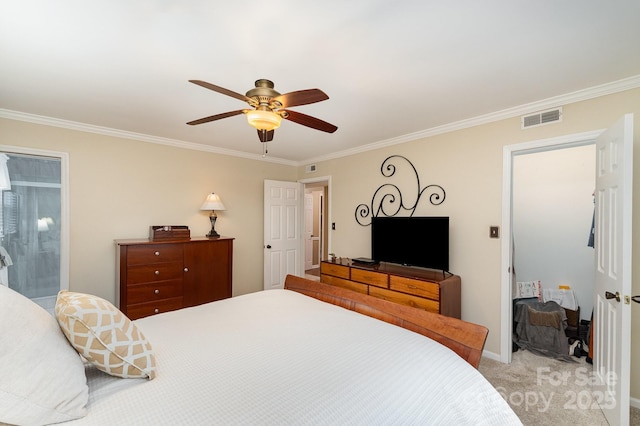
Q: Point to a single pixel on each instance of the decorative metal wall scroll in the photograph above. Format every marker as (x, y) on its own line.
(388, 199)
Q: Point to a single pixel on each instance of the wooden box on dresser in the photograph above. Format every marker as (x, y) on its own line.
(161, 276)
(433, 291)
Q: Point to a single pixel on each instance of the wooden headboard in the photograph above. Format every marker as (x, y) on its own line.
(464, 338)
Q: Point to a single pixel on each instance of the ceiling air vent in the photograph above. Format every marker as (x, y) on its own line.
(542, 117)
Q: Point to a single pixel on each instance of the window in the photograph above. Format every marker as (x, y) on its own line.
(33, 223)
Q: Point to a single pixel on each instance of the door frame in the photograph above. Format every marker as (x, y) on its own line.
(308, 254)
(322, 227)
(508, 153)
(317, 210)
(328, 204)
(48, 303)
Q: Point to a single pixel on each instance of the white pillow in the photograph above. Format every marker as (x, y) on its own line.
(42, 377)
(103, 335)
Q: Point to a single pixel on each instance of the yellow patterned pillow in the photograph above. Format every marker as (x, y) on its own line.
(104, 335)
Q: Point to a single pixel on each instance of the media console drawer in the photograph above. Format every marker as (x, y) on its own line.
(370, 277)
(334, 269)
(406, 299)
(433, 291)
(341, 282)
(413, 286)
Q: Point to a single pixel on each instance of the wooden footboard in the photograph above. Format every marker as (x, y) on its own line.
(464, 338)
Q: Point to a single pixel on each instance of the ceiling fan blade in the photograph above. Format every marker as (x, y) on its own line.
(265, 135)
(216, 117)
(301, 97)
(307, 120)
(222, 90)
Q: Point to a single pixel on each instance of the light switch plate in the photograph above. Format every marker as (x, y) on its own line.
(494, 232)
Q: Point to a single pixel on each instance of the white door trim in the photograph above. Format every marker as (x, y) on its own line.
(49, 302)
(508, 152)
(307, 234)
(328, 200)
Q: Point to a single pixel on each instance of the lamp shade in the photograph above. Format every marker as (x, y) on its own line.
(264, 120)
(212, 202)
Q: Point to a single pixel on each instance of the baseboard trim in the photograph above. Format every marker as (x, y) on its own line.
(491, 355)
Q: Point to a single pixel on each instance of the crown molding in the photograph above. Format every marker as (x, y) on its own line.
(556, 101)
(577, 96)
(107, 131)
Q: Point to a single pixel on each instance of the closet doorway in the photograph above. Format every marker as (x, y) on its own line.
(526, 255)
(553, 211)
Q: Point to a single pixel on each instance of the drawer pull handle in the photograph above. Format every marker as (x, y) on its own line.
(157, 272)
(413, 287)
(156, 310)
(156, 291)
(186, 269)
(157, 253)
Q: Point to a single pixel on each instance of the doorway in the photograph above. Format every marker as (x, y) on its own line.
(612, 227)
(553, 211)
(34, 223)
(316, 218)
(509, 247)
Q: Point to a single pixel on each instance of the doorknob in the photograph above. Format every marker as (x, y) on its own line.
(636, 298)
(268, 246)
(610, 295)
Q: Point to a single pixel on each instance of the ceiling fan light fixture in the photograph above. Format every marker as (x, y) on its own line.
(269, 107)
(263, 120)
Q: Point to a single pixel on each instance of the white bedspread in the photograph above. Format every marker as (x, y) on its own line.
(277, 357)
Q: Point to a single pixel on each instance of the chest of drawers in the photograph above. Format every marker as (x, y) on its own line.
(161, 276)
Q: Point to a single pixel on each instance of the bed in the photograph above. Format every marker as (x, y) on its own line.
(308, 354)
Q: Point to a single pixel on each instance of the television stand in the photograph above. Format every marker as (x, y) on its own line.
(427, 289)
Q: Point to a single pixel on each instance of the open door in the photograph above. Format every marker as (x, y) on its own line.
(282, 232)
(612, 310)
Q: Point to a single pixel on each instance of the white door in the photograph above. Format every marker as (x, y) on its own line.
(612, 310)
(308, 231)
(282, 232)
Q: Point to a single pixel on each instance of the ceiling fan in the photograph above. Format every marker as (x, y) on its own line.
(270, 107)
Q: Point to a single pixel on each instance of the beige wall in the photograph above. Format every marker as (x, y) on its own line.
(468, 164)
(119, 187)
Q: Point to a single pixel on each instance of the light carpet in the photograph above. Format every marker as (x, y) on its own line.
(546, 391)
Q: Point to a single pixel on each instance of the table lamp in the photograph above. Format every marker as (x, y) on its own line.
(213, 203)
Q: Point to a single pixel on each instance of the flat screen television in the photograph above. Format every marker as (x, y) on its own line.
(413, 241)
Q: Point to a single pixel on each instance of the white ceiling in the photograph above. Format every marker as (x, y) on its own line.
(391, 69)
